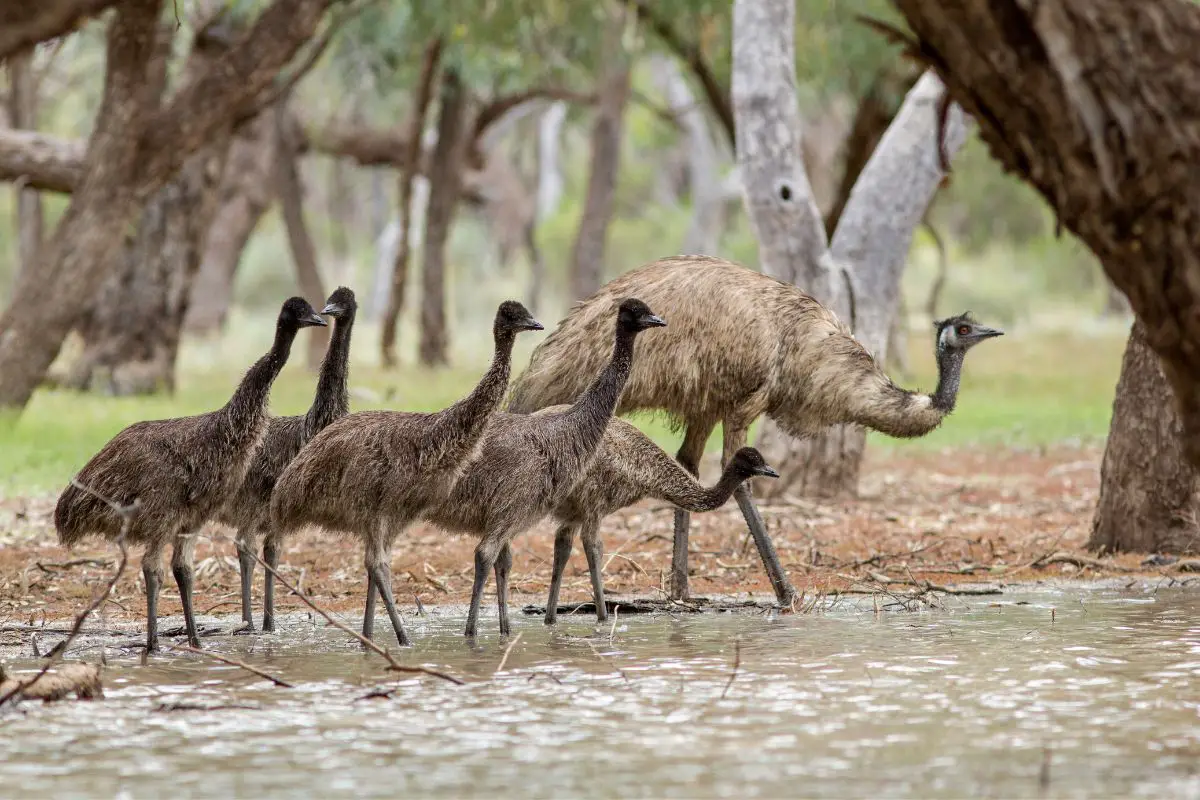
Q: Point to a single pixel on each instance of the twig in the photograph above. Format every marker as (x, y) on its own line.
(233, 662)
(127, 513)
(737, 664)
(50, 566)
(507, 651)
(393, 664)
(612, 632)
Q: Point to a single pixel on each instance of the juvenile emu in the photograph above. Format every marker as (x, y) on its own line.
(528, 463)
(372, 473)
(629, 466)
(181, 471)
(249, 510)
(741, 344)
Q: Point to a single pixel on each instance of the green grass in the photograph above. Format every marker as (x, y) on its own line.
(1038, 386)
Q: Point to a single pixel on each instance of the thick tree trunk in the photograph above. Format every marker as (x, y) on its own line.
(1149, 500)
(1092, 102)
(22, 113)
(404, 205)
(445, 175)
(290, 190)
(246, 192)
(587, 256)
(131, 334)
(25, 24)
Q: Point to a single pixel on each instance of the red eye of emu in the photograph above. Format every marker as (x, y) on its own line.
(963, 330)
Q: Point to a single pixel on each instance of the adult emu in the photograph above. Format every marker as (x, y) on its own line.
(741, 344)
(181, 470)
(371, 473)
(528, 463)
(249, 510)
(629, 466)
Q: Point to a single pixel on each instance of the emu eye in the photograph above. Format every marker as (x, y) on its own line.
(963, 330)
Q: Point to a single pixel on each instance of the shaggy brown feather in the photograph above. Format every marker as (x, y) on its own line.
(181, 470)
(741, 344)
(527, 464)
(370, 474)
(628, 467)
(249, 510)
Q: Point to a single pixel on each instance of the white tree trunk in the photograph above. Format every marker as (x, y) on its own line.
(388, 243)
(550, 177)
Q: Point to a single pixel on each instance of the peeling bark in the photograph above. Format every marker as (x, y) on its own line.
(1149, 500)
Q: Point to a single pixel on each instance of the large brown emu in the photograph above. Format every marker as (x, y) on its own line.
(629, 466)
(741, 345)
(249, 510)
(372, 473)
(528, 463)
(181, 471)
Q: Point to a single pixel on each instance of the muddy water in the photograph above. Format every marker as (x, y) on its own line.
(972, 700)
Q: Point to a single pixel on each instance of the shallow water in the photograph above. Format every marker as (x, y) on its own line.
(978, 699)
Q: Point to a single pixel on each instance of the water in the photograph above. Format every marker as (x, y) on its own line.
(978, 699)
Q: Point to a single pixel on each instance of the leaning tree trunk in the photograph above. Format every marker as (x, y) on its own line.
(22, 113)
(587, 257)
(445, 182)
(131, 334)
(1149, 498)
(290, 190)
(416, 127)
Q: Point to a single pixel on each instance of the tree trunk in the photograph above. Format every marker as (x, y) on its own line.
(246, 192)
(587, 256)
(550, 175)
(1148, 491)
(445, 176)
(47, 301)
(22, 113)
(131, 334)
(290, 190)
(1091, 101)
(396, 296)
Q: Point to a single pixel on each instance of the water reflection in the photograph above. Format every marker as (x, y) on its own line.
(979, 699)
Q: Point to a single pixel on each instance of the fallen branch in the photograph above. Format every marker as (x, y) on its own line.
(1077, 561)
(233, 662)
(82, 680)
(507, 651)
(127, 514)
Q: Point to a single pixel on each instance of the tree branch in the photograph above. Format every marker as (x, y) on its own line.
(494, 110)
(25, 23)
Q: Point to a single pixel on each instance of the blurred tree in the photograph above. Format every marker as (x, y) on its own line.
(23, 24)
(1096, 124)
(22, 114)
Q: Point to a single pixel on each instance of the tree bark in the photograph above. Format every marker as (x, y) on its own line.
(1091, 101)
(25, 24)
(445, 175)
(1149, 500)
(416, 126)
(290, 190)
(246, 192)
(136, 147)
(587, 255)
(22, 113)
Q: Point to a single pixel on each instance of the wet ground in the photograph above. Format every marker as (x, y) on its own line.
(1066, 692)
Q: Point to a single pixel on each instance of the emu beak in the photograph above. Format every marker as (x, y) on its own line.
(315, 319)
(767, 472)
(532, 325)
(987, 333)
(654, 321)
(332, 308)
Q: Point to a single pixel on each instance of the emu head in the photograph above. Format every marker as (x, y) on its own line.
(961, 333)
(297, 313)
(749, 463)
(633, 316)
(340, 304)
(512, 316)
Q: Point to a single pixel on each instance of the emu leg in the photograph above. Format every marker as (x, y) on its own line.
(563, 539)
(271, 559)
(381, 574)
(369, 610)
(181, 568)
(689, 455)
(593, 548)
(785, 593)
(486, 553)
(246, 547)
(502, 567)
(152, 572)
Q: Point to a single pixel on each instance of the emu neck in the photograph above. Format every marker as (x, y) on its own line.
(716, 495)
(595, 407)
(332, 400)
(467, 416)
(249, 402)
(950, 364)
